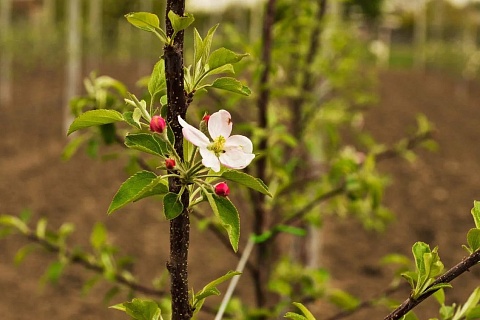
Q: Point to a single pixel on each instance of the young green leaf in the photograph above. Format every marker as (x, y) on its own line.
(172, 205)
(473, 239)
(146, 142)
(12, 221)
(23, 252)
(98, 238)
(133, 118)
(307, 314)
(228, 215)
(294, 316)
(223, 56)
(144, 20)
(344, 300)
(140, 309)
(476, 213)
(246, 180)
(180, 23)
(133, 188)
(157, 82)
(95, 118)
(207, 43)
(230, 84)
(469, 305)
(53, 273)
(211, 288)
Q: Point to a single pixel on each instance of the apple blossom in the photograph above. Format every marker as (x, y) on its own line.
(232, 151)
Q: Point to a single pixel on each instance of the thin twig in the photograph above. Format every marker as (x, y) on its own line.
(233, 283)
(83, 261)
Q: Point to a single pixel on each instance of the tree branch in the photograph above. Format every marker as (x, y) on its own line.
(447, 277)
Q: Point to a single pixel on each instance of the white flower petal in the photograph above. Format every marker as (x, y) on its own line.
(209, 159)
(235, 158)
(220, 124)
(236, 141)
(193, 135)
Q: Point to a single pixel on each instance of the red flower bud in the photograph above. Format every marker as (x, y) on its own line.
(170, 163)
(206, 118)
(222, 189)
(157, 124)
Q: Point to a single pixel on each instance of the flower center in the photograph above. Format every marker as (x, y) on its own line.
(217, 146)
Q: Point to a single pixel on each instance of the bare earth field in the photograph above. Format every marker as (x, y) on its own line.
(432, 199)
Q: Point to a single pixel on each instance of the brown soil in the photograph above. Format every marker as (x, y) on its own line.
(431, 198)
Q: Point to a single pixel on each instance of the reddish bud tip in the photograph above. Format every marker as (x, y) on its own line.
(157, 124)
(170, 163)
(206, 118)
(222, 189)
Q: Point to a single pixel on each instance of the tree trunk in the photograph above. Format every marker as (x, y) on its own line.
(180, 226)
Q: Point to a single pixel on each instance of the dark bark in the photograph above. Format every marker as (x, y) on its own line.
(180, 226)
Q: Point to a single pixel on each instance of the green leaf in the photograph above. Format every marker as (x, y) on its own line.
(246, 180)
(72, 147)
(294, 316)
(140, 309)
(344, 300)
(223, 56)
(146, 142)
(228, 68)
(144, 20)
(439, 295)
(470, 304)
(473, 239)
(53, 273)
(172, 205)
(133, 118)
(207, 43)
(180, 23)
(474, 313)
(157, 82)
(12, 221)
(211, 288)
(23, 252)
(41, 228)
(305, 311)
(228, 215)
(95, 118)
(98, 238)
(230, 84)
(299, 232)
(132, 189)
(476, 213)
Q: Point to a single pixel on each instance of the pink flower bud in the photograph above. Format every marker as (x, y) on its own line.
(206, 118)
(222, 189)
(170, 163)
(157, 124)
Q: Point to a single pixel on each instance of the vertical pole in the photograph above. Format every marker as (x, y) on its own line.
(420, 34)
(95, 32)
(6, 56)
(73, 70)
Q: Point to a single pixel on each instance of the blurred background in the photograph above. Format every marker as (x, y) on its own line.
(426, 59)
